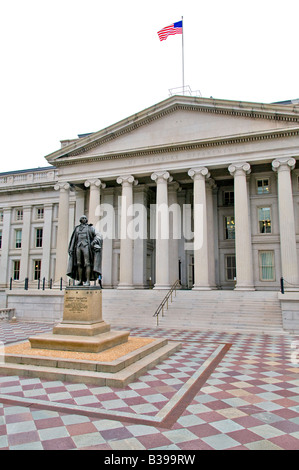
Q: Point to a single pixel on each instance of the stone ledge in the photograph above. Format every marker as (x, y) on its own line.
(81, 329)
(95, 343)
(118, 379)
(92, 365)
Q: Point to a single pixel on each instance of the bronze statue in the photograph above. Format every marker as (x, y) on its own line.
(85, 253)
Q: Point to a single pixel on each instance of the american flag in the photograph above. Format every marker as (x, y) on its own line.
(174, 28)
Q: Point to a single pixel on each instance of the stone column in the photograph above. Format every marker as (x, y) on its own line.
(47, 231)
(201, 261)
(63, 231)
(162, 229)
(210, 187)
(126, 234)
(242, 227)
(107, 229)
(25, 242)
(80, 204)
(94, 186)
(289, 262)
(140, 238)
(174, 231)
(4, 274)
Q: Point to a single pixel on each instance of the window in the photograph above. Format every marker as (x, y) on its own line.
(265, 220)
(230, 267)
(263, 186)
(39, 238)
(228, 198)
(266, 264)
(229, 222)
(0, 239)
(39, 213)
(18, 238)
(19, 214)
(1, 216)
(16, 270)
(37, 269)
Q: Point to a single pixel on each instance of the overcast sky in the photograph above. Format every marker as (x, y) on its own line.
(69, 67)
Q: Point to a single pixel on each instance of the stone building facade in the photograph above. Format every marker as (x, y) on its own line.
(227, 171)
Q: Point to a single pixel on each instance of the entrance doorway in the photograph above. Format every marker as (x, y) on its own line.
(190, 273)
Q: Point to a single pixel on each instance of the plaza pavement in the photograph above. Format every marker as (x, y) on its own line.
(220, 391)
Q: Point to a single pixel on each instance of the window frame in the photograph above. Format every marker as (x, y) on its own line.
(226, 232)
(263, 186)
(18, 240)
(16, 269)
(261, 267)
(231, 198)
(19, 214)
(233, 268)
(39, 213)
(260, 208)
(39, 239)
(37, 266)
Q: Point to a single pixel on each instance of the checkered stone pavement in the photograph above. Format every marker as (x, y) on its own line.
(220, 391)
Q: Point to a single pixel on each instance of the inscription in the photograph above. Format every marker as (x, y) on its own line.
(76, 305)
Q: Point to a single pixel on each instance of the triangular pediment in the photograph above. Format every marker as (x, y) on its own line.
(179, 120)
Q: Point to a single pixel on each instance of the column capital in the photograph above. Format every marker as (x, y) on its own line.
(211, 184)
(199, 173)
(96, 182)
(161, 176)
(239, 169)
(174, 187)
(283, 164)
(127, 180)
(63, 185)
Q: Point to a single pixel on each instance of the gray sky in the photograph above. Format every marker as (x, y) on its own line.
(69, 67)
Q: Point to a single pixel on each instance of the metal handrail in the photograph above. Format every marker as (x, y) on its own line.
(166, 299)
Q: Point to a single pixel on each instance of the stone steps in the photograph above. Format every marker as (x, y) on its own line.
(254, 311)
(90, 372)
(225, 311)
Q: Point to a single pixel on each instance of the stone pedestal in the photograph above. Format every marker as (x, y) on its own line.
(82, 328)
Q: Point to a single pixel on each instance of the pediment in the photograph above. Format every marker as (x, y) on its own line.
(176, 121)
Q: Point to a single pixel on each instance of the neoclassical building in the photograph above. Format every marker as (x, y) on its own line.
(196, 189)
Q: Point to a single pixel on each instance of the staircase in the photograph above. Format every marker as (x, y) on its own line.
(217, 310)
(227, 311)
(131, 308)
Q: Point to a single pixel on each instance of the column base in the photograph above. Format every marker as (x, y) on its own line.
(201, 287)
(291, 289)
(248, 288)
(162, 286)
(125, 286)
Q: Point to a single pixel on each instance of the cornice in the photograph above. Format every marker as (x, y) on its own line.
(184, 146)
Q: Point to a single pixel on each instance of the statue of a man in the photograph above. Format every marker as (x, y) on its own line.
(85, 253)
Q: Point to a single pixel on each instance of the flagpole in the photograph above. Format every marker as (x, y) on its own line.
(183, 57)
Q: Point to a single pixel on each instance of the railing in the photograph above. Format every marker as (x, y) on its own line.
(165, 301)
(8, 314)
(40, 284)
(282, 284)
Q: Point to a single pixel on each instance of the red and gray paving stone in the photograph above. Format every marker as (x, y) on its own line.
(220, 391)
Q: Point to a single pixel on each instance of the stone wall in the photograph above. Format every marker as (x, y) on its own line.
(290, 311)
(43, 306)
